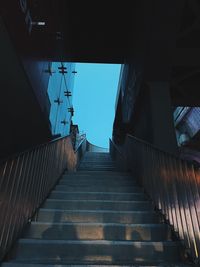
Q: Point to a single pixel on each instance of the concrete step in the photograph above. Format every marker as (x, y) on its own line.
(101, 163)
(94, 188)
(97, 205)
(96, 165)
(97, 155)
(96, 177)
(96, 173)
(90, 168)
(105, 162)
(98, 231)
(98, 182)
(15, 264)
(97, 160)
(99, 175)
(94, 251)
(99, 216)
(97, 196)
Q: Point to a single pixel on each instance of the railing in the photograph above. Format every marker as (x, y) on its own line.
(118, 156)
(190, 155)
(174, 186)
(25, 182)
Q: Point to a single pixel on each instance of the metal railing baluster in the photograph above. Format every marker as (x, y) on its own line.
(173, 185)
(26, 180)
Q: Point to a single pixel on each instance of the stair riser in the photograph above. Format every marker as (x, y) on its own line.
(98, 162)
(123, 189)
(96, 182)
(99, 156)
(84, 253)
(96, 196)
(97, 169)
(87, 205)
(98, 217)
(96, 158)
(98, 232)
(96, 173)
(96, 166)
(15, 264)
(89, 178)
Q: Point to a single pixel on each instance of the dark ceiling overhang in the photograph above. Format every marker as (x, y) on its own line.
(141, 32)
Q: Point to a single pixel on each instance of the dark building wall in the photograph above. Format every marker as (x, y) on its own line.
(34, 106)
(38, 74)
(162, 124)
(25, 38)
(23, 124)
(132, 114)
(145, 111)
(141, 120)
(24, 105)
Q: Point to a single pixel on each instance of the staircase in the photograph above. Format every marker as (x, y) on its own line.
(96, 216)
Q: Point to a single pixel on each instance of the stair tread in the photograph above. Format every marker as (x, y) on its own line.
(103, 188)
(56, 194)
(98, 201)
(99, 242)
(98, 211)
(98, 231)
(86, 172)
(100, 186)
(108, 251)
(102, 224)
(100, 193)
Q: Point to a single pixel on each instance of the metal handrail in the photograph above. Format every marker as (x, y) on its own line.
(26, 180)
(80, 144)
(174, 186)
(118, 156)
(114, 146)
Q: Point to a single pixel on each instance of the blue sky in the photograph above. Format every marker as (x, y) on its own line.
(95, 90)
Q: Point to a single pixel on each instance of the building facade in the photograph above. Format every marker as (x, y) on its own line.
(60, 93)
